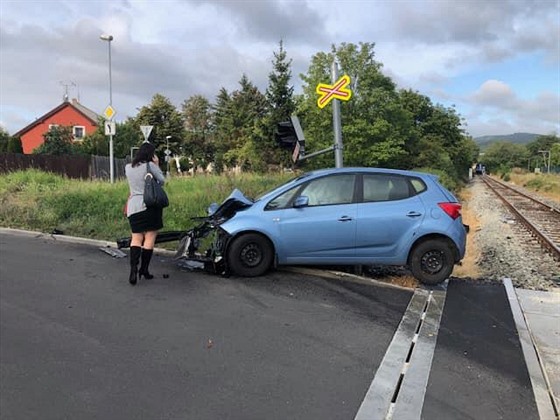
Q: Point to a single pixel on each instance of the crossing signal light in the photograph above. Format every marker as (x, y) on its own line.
(285, 135)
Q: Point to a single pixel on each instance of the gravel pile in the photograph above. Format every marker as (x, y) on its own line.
(504, 246)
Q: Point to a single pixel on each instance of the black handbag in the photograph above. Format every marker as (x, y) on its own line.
(154, 194)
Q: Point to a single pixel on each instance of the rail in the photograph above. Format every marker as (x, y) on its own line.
(548, 238)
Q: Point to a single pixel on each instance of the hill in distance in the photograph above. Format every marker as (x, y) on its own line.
(518, 138)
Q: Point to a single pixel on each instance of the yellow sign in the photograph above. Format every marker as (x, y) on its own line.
(109, 112)
(335, 91)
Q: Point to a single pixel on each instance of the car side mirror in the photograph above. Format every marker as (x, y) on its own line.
(301, 201)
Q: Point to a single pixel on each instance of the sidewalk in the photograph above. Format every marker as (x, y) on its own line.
(537, 317)
(542, 314)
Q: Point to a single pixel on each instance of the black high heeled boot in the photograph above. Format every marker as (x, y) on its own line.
(146, 258)
(134, 257)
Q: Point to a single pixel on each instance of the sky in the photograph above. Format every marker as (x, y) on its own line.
(497, 62)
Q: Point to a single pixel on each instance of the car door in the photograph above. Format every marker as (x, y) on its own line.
(388, 218)
(324, 230)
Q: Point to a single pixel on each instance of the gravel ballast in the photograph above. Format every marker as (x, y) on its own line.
(505, 248)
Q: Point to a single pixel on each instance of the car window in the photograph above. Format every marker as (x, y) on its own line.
(376, 188)
(335, 189)
(382, 187)
(399, 188)
(418, 185)
(282, 200)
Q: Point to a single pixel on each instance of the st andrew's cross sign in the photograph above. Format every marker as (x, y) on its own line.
(337, 90)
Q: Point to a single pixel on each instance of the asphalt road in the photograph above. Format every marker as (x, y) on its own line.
(78, 342)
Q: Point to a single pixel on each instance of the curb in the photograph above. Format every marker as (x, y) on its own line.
(71, 239)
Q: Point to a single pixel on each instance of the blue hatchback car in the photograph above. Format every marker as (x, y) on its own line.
(342, 216)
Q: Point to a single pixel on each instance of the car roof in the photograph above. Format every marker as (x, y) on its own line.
(350, 169)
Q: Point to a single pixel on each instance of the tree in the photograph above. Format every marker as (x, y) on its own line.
(198, 144)
(96, 143)
(555, 155)
(222, 126)
(544, 142)
(281, 105)
(14, 145)
(238, 129)
(58, 141)
(127, 136)
(166, 120)
(503, 156)
(4, 139)
(374, 124)
(382, 126)
(547, 143)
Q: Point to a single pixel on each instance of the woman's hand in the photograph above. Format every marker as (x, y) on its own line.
(155, 159)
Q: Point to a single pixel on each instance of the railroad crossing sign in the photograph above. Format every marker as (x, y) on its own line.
(109, 112)
(110, 128)
(337, 90)
(146, 130)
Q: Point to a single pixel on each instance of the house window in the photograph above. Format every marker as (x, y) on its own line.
(53, 126)
(79, 132)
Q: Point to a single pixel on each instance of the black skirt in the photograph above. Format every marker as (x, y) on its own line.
(145, 221)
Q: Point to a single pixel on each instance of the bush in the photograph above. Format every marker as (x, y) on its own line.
(535, 184)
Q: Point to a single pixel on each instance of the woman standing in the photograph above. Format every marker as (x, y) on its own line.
(144, 221)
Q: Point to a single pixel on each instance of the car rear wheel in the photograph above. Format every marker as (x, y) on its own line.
(250, 255)
(431, 262)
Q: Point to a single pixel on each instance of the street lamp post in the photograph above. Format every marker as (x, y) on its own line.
(109, 38)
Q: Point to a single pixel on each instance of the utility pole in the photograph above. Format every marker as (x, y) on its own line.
(109, 38)
(546, 161)
(337, 127)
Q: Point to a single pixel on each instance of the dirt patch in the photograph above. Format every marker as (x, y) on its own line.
(469, 266)
(404, 281)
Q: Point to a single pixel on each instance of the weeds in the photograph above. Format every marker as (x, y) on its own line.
(43, 202)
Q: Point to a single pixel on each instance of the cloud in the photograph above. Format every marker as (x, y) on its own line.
(499, 110)
(180, 48)
(494, 93)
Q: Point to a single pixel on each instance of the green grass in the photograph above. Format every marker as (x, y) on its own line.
(40, 201)
(547, 185)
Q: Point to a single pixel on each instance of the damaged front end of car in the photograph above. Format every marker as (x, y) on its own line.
(205, 244)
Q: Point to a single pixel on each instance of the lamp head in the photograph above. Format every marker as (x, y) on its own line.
(106, 37)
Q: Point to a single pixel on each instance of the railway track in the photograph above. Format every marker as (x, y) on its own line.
(540, 219)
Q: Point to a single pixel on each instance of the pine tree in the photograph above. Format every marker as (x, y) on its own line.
(281, 107)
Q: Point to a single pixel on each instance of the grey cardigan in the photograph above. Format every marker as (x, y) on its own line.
(135, 176)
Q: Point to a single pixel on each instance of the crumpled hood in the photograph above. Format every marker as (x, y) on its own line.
(234, 202)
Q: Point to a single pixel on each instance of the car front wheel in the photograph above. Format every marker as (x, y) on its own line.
(250, 255)
(431, 262)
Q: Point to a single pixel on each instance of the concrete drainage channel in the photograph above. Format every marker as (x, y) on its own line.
(398, 388)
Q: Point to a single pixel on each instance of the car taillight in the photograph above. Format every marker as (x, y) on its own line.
(453, 210)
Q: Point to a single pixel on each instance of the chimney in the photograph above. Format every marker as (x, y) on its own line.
(75, 101)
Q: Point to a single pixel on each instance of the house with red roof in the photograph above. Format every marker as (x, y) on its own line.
(68, 114)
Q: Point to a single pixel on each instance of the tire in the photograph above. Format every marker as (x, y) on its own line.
(431, 262)
(250, 255)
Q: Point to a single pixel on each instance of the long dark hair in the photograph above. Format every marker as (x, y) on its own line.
(144, 154)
